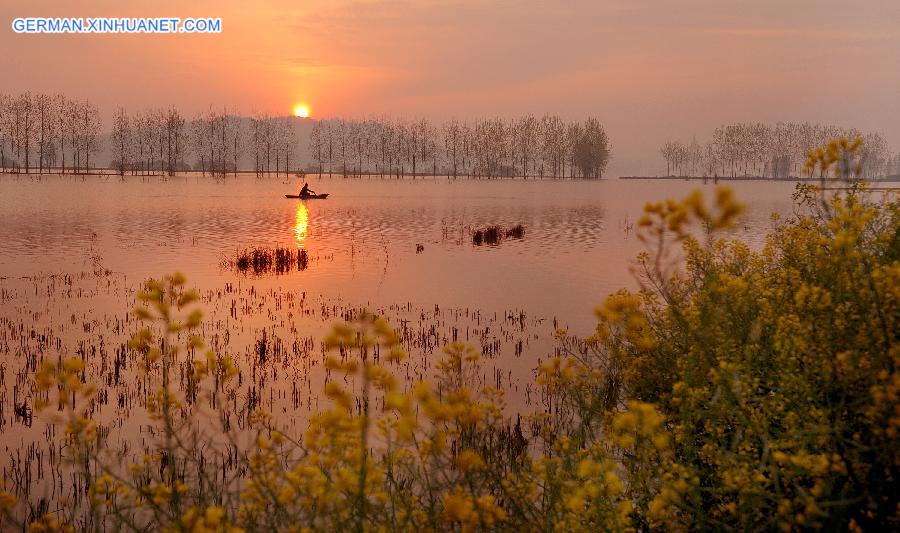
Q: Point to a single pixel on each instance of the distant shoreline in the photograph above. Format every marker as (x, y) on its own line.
(887, 179)
(292, 175)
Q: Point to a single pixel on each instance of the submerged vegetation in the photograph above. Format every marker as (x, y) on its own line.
(260, 261)
(493, 234)
(738, 389)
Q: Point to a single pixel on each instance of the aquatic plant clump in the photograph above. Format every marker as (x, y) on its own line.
(493, 234)
(259, 261)
(515, 232)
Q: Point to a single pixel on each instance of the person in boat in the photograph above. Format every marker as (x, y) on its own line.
(306, 191)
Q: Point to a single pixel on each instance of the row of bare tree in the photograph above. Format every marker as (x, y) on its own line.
(161, 140)
(148, 142)
(523, 147)
(762, 150)
(54, 133)
(273, 140)
(40, 131)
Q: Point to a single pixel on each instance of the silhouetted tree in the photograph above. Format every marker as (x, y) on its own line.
(122, 135)
(757, 149)
(592, 150)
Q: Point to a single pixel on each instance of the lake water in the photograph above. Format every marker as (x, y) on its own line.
(362, 241)
(76, 250)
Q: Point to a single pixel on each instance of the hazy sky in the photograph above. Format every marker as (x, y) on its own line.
(649, 69)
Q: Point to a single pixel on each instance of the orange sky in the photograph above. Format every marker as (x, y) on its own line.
(650, 70)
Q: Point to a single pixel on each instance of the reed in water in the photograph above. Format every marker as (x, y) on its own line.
(493, 234)
(260, 261)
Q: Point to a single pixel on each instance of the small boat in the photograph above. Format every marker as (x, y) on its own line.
(308, 197)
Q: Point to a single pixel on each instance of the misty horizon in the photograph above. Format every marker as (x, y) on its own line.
(650, 73)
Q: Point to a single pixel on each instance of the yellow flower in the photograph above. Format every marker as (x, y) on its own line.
(468, 460)
(7, 501)
(458, 507)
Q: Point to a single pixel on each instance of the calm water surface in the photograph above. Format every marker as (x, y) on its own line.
(75, 251)
(362, 241)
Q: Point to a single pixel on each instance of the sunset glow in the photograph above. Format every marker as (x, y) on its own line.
(415, 349)
(488, 64)
(301, 223)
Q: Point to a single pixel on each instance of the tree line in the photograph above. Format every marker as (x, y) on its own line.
(149, 141)
(45, 131)
(55, 133)
(496, 147)
(161, 139)
(762, 150)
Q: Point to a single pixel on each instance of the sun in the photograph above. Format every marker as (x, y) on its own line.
(301, 110)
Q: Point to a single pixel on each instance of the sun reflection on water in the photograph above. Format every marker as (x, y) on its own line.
(301, 224)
